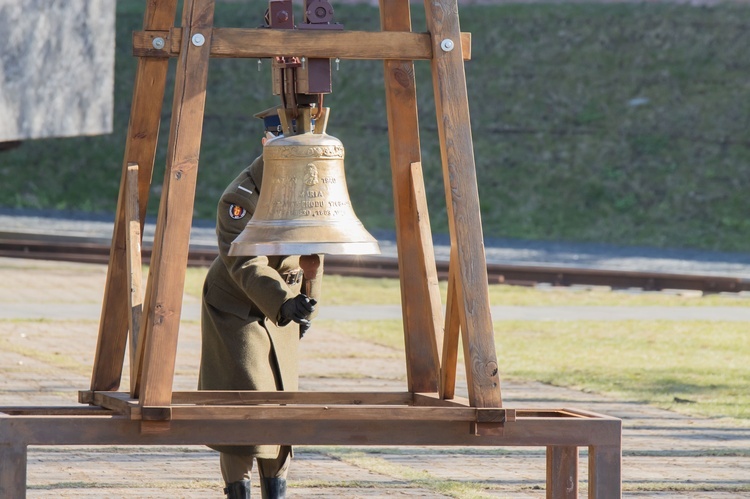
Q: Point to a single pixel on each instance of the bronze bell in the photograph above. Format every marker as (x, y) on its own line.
(304, 206)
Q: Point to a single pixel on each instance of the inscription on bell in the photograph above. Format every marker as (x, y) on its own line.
(311, 208)
(281, 179)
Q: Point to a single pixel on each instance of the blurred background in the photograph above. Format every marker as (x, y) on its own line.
(605, 122)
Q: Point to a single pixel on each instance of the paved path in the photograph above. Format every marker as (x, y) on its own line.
(82, 300)
(191, 312)
(45, 362)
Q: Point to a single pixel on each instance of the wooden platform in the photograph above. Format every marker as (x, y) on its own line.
(318, 418)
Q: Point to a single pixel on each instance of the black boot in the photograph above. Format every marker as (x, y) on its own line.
(273, 488)
(238, 490)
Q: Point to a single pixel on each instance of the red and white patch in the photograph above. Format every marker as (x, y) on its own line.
(236, 212)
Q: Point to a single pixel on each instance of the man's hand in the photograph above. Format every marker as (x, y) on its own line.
(297, 309)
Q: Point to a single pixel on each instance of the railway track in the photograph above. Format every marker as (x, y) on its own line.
(66, 249)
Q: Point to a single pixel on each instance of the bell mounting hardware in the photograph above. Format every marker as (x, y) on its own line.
(300, 80)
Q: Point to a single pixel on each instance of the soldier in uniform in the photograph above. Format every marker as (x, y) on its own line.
(253, 316)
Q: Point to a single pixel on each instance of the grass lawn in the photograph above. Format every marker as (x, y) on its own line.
(620, 123)
(692, 367)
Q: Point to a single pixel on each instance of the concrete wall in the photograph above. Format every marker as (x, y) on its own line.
(56, 68)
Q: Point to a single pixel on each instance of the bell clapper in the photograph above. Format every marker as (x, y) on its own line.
(309, 265)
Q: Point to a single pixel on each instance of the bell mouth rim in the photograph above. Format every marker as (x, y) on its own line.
(302, 248)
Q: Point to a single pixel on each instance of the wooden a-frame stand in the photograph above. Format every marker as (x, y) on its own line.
(428, 413)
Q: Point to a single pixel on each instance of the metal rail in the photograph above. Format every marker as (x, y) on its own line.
(381, 266)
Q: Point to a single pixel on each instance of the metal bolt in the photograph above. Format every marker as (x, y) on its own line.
(158, 43)
(447, 45)
(198, 40)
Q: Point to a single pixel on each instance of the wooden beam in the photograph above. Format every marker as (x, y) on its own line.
(140, 148)
(118, 402)
(135, 277)
(108, 429)
(52, 410)
(171, 241)
(420, 294)
(324, 405)
(562, 472)
(312, 413)
(605, 471)
(251, 397)
(122, 403)
(229, 397)
(258, 43)
(13, 456)
(449, 358)
(434, 399)
(430, 312)
(462, 200)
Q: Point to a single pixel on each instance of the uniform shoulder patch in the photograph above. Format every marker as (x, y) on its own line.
(236, 212)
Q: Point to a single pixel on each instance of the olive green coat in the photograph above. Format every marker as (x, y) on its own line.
(243, 345)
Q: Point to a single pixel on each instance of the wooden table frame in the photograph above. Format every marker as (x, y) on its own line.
(428, 413)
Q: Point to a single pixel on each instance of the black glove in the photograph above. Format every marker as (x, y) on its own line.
(297, 309)
(303, 328)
